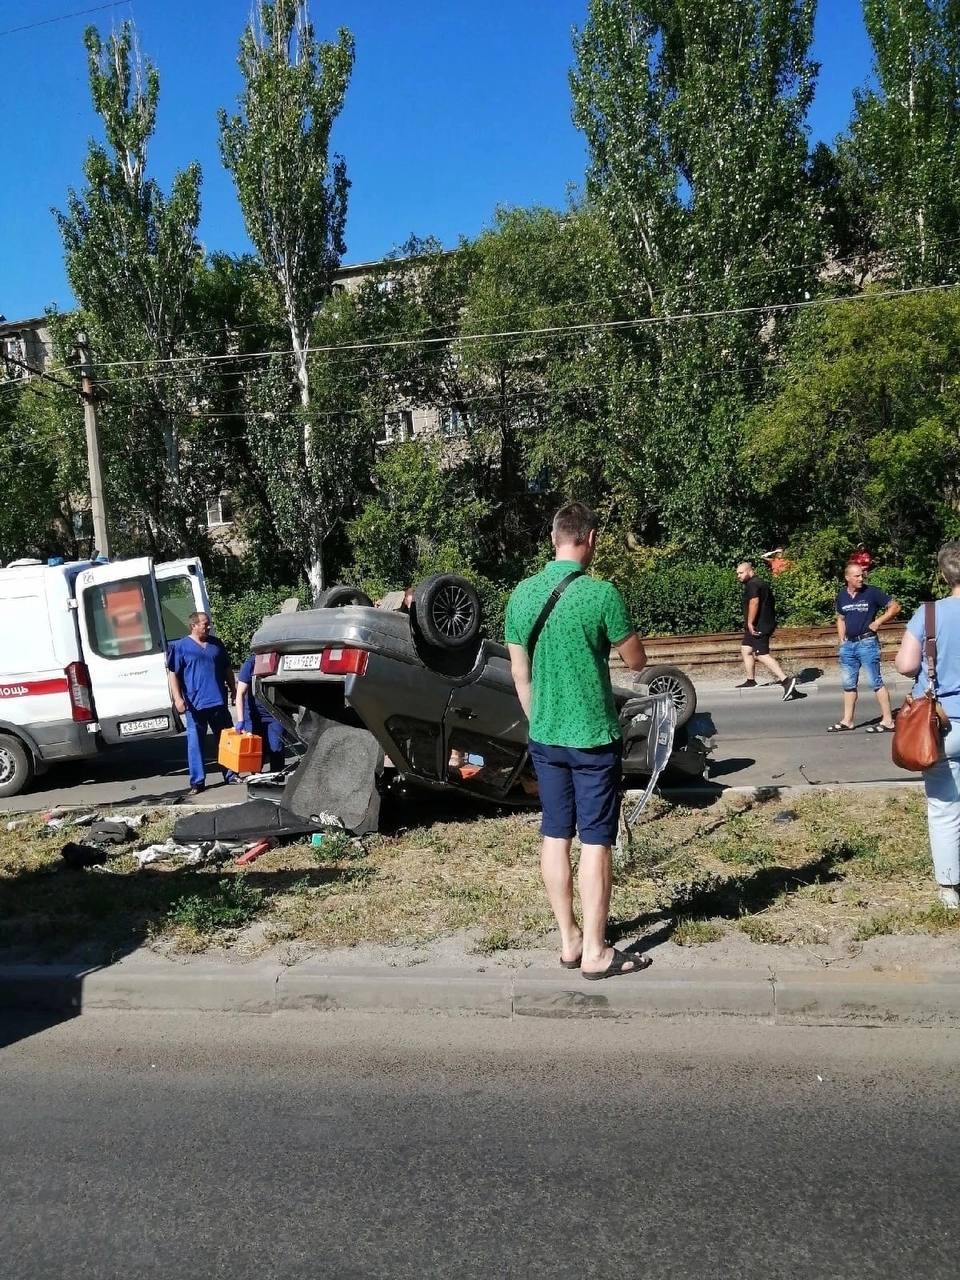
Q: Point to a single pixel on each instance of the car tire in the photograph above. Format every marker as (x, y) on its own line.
(338, 596)
(678, 684)
(16, 766)
(447, 613)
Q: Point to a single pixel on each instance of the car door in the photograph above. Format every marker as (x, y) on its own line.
(182, 591)
(486, 730)
(124, 648)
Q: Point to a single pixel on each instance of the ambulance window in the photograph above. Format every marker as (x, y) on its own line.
(177, 602)
(122, 619)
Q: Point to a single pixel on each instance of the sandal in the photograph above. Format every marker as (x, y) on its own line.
(879, 728)
(623, 962)
(840, 727)
(570, 964)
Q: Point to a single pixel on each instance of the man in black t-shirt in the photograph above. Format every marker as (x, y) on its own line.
(759, 624)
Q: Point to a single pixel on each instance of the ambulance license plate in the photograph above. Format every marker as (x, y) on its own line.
(131, 727)
(302, 662)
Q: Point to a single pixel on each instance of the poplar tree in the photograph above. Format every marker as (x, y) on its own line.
(132, 259)
(293, 194)
(694, 112)
(903, 153)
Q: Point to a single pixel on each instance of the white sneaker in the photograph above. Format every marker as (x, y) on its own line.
(949, 897)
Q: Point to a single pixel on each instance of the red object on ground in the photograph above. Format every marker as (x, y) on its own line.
(253, 853)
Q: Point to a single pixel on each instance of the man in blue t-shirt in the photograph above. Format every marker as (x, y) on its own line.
(255, 717)
(200, 677)
(861, 612)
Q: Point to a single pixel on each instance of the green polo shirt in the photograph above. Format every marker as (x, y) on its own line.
(572, 702)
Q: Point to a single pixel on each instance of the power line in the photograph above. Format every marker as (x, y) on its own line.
(544, 331)
(574, 304)
(63, 17)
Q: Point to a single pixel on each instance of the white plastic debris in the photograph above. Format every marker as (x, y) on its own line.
(194, 855)
(55, 823)
(20, 822)
(85, 820)
(132, 820)
(327, 820)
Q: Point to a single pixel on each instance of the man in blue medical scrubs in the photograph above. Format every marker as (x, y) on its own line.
(200, 677)
(255, 717)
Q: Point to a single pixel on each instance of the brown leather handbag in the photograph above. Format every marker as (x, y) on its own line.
(920, 723)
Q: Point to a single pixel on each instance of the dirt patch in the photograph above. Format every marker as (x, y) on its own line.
(835, 875)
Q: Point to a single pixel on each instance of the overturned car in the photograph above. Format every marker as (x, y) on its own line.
(412, 693)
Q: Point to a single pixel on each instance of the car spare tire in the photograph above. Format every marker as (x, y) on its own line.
(446, 610)
(337, 596)
(677, 684)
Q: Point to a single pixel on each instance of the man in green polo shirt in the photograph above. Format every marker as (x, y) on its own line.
(560, 664)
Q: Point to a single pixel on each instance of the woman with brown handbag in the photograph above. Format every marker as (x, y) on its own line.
(941, 780)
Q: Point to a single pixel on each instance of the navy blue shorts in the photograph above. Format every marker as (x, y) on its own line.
(579, 791)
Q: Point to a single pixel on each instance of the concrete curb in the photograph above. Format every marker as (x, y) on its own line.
(888, 997)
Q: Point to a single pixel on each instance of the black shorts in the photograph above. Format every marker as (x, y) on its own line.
(760, 643)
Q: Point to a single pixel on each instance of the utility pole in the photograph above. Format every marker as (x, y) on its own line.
(101, 538)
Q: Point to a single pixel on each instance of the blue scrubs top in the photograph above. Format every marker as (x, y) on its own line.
(202, 671)
(255, 714)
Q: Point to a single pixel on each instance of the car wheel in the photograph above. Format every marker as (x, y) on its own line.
(677, 684)
(446, 610)
(16, 766)
(340, 595)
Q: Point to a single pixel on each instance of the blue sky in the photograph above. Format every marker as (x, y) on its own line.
(455, 107)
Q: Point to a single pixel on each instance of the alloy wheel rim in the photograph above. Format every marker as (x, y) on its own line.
(672, 688)
(452, 611)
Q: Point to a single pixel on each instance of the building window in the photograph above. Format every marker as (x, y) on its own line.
(454, 422)
(387, 285)
(13, 357)
(219, 511)
(397, 425)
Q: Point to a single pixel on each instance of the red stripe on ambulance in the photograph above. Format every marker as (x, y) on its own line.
(33, 688)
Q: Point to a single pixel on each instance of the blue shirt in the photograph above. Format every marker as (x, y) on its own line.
(859, 610)
(202, 671)
(255, 714)
(948, 653)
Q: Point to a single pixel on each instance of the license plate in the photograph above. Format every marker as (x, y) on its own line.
(302, 662)
(131, 727)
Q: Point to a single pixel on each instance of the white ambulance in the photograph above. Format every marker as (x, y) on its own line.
(83, 657)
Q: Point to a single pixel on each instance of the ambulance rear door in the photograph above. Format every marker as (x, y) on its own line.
(182, 591)
(124, 647)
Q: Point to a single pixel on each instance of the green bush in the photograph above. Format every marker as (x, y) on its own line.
(804, 598)
(681, 597)
(237, 617)
(232, 903)
(909, 585)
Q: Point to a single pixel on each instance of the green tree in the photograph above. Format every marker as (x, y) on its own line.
(863, 436)
(41, 434)
(902, 157)
(694, 115)
(132, 259)
(294, 200)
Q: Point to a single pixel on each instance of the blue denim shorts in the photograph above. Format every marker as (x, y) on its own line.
(579, 791)
(855, 654)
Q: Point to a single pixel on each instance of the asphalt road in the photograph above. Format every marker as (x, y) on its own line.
(322, 1146)
(761, 741)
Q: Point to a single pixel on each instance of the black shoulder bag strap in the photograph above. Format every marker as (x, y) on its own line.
(548, 608)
